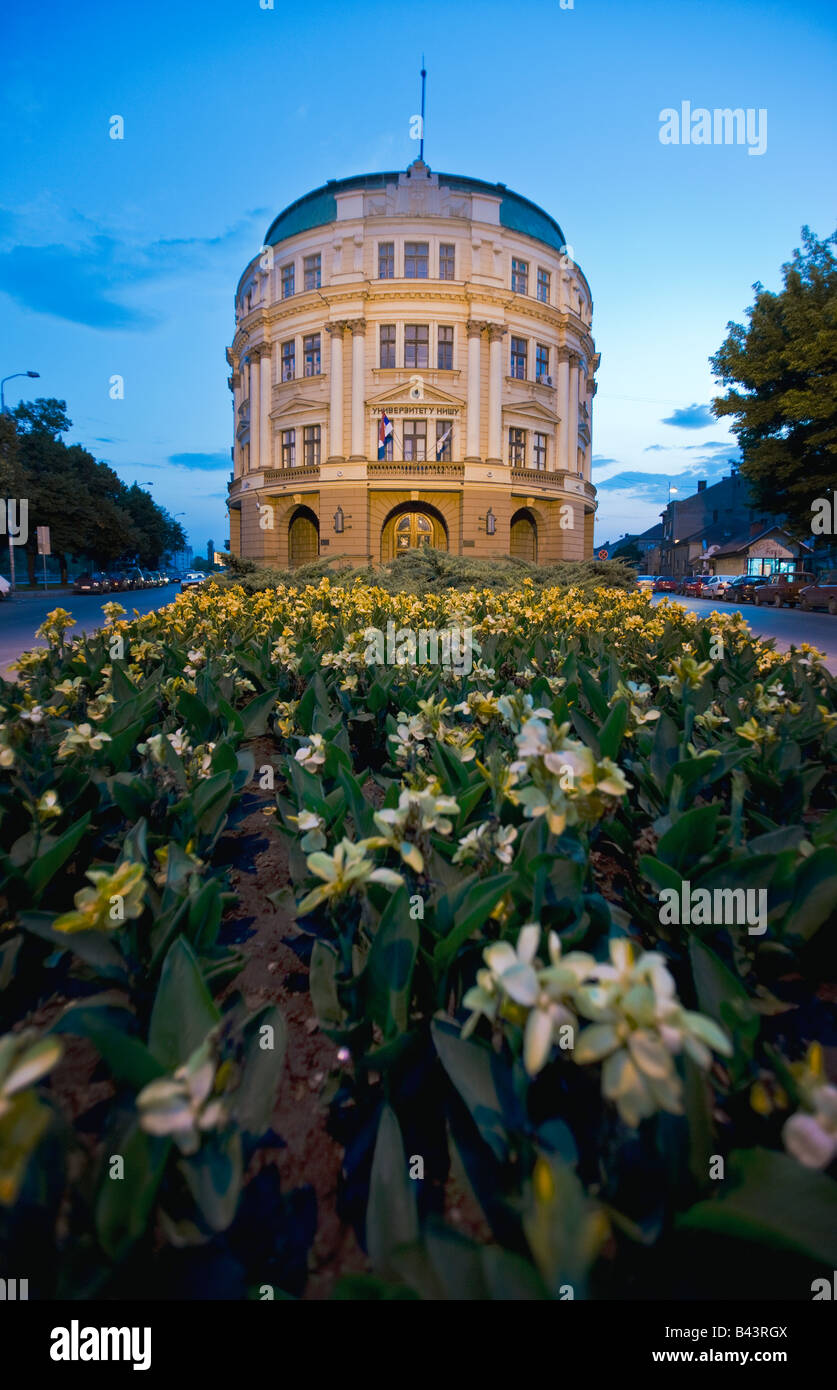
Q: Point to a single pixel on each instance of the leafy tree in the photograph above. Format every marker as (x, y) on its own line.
(782, 368)
(89, 510)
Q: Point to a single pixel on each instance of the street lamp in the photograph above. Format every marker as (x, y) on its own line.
(3, 412)
(3, 383)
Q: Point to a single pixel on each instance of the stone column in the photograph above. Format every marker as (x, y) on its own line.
(335, 409)
(561, 463)
(592, 388)
(358, 369)
(572, 434)
(472, 450)
(265, 427)
(235, 387)
(255, 412)
(496, 333)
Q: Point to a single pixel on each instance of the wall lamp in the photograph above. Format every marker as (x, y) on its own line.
(339, 521)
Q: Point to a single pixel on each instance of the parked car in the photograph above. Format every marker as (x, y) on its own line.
(136, 579)
(747, 585)
(693, 585)
(193, 577)
(118, 581)
(666, 584)
(5, 587)
(645, 581)
(821, 594)
(716, 587)
(783, 588)
(92, 582)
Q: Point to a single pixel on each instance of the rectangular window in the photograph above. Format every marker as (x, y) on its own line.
(311, 354)
(539, 451)
(386, 260)
(288, 448)
(447, 262)
(541, 361)
(416, 345)
(517, 448)
(520, 276)
(311, 446)
(518, 357)
(415, 439)
(415, 260)
(387, 344)
(289, 360)
(445, 357)
(543, 285)
(313, 276)
(287, 280)
(444, 438)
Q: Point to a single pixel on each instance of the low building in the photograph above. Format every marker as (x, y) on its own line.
(413, 365)
(767, 552)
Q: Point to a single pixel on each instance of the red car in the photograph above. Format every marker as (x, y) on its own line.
(821, 594)
(666, 585)
(693, 586)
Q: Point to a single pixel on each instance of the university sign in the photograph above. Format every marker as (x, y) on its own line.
(445, 410)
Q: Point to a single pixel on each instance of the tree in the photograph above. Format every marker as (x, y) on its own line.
(89, 510)
(783, 371)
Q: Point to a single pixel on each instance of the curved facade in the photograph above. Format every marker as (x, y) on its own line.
(412, 365)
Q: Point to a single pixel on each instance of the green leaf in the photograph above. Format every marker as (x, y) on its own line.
(815, 894)
(97, 949)
(480, 900)
(771, 1199)
(213, 1176)
(254, 715)
(184, 1011)
(470, 1066)
(391, 1218)
(128, 1060)
(124, 1205)
(322, 985)
(389, 970)
(613, 730)
(52, 856)
(691, 836)
(255, 1098)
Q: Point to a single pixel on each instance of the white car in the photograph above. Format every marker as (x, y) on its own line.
(716, 586)
(5, 587)
(193, 577)
(646, 581)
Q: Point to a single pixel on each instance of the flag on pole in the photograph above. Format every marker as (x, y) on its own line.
(384, 436)
(442, 441)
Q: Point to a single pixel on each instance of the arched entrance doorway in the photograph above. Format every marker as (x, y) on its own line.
(303, 538)
(413, 528)
(523, 541)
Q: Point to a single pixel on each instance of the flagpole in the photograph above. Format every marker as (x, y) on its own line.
(423, 79)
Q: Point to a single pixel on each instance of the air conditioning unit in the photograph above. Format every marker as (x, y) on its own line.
(545, 381)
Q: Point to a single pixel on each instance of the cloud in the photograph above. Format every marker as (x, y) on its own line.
(203, 461)
(69, 284)
(690, 417)
(85, 278)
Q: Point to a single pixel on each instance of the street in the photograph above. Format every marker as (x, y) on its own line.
(786, 625)
(22, 615)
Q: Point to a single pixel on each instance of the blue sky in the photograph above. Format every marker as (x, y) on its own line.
(121, 257)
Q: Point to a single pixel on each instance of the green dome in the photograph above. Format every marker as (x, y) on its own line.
(318, 208)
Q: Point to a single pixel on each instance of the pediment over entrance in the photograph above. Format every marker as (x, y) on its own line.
(298, 405)
(533, 408)
(413, 391)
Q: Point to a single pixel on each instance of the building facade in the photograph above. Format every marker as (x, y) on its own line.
(413, 365)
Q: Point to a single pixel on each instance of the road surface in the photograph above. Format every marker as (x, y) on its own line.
(22, 615)
(786, 625)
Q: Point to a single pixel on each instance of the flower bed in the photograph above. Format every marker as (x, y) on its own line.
(566, 866)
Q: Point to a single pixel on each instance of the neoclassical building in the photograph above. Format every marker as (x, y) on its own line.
(412, 365)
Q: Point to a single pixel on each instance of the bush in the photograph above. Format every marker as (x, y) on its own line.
(434, 571)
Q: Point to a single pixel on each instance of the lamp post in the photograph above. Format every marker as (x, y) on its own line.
(673, 509)
(3, 412)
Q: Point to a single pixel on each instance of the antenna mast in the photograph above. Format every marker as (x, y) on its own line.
(423, 80)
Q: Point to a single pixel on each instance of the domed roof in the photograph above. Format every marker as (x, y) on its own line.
(319, 207)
